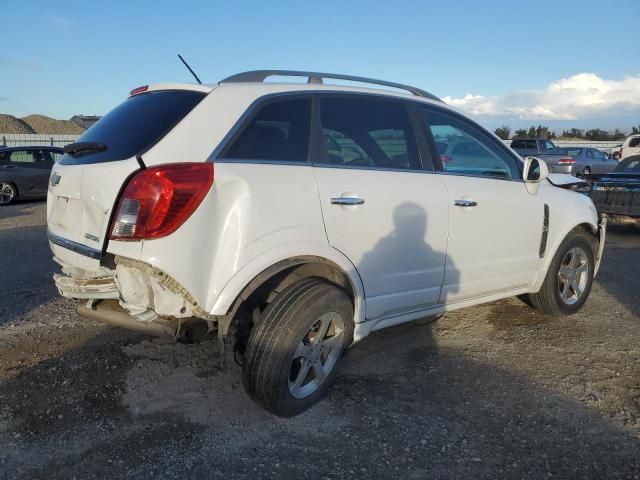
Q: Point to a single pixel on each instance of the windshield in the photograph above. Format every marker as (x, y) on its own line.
(135, 125)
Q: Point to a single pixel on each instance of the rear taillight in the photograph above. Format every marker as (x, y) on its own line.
(567, 161)
(158, 200)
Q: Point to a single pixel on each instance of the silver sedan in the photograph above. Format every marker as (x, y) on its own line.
(578, 161)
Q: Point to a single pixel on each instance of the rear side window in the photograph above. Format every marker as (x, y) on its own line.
(278, 132)
(524, 144)
(367, 132)
(22, 157)
(136, 125)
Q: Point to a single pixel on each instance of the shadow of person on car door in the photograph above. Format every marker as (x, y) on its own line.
(405, 270)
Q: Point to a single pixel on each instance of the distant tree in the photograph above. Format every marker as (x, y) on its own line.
(573, 133)
(520, 133)
(543, 132)
(504, 132)
(635, 130)
(618, 135)
(532, 132)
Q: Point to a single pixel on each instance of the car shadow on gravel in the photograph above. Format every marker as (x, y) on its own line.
(404, 406)
(27, 268)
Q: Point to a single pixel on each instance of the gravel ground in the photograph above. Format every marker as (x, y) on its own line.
(496, 391)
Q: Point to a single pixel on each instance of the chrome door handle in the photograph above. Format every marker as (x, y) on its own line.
(465, 203)
(347, 201)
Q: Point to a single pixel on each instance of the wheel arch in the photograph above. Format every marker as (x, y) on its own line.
(585, 225)
(274, 271)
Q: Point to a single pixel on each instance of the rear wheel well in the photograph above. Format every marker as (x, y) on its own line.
(246, 310)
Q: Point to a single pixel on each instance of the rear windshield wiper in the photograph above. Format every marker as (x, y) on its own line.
(83, 148)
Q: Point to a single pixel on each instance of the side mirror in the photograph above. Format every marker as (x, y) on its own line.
(535, 170)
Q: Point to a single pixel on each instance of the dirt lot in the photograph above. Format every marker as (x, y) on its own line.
(496, 391)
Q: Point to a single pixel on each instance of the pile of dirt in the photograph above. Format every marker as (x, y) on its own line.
(11, 124)
(44, 124)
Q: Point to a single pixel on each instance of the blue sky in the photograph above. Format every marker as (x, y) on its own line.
(502, 61)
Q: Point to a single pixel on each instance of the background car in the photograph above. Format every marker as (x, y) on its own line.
(24, 172)
(578, 161)
(630, 147)
(618, 192)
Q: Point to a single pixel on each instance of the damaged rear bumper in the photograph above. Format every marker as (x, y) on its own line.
(143, 291)
(110, 312)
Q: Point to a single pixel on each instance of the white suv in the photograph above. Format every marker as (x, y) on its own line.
(630, 147)
(294, 219)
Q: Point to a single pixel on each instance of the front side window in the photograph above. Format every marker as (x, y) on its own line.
(278, 132)
(634, 142)
(548, 145)
(465, 149)
(367, 132)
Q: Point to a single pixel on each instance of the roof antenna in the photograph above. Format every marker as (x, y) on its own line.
(192, 72)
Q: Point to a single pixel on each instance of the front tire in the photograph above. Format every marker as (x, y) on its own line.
(569, 278)
(292, 354)
(586, 171)
(8, 193)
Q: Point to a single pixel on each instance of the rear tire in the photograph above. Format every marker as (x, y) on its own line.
(568, 281)
(8, 193)
(292, 354)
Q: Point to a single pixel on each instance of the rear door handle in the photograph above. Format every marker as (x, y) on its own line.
(465, 203)
(347, 201)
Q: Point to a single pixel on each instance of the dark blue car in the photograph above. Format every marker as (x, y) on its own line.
(24, 172)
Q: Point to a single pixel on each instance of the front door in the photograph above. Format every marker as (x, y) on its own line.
(381, 209)
(495, 224)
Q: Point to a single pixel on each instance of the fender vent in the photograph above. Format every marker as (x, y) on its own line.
(545, 231)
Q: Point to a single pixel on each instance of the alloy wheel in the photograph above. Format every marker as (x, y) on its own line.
(6, 193)
(573, 275)
(316, 355)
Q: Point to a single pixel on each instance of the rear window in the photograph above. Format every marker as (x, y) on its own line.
(523, 144)
(136, 125)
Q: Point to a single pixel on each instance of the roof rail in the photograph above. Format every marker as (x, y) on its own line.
(257, 76)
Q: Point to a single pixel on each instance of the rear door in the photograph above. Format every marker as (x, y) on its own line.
(23, 169)
(85, 184)
(42, 170)
(495, 224)
(381, 208)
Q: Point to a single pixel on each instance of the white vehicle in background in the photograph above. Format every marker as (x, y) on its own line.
(630, 147)
(295, 219)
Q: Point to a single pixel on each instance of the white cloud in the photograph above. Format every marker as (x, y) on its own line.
(584, 95)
